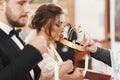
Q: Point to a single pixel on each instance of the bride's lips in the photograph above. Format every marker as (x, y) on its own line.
(61, 36)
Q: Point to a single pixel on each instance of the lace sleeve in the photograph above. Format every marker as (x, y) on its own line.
(47, 67)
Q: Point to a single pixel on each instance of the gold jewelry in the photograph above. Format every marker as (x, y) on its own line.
(80, 43)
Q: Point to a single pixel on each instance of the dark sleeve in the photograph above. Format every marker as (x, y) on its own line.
(20, 67)
(102, 55)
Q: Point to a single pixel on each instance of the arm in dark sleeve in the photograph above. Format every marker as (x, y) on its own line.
(102, 55)
(22, 64)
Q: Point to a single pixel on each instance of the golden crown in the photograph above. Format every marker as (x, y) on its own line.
(80, 43)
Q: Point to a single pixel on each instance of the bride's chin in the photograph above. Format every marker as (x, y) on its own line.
(57, 39)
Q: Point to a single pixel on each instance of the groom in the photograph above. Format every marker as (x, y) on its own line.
(16, 59)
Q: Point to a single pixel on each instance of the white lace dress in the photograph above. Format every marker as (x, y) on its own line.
(48, 64)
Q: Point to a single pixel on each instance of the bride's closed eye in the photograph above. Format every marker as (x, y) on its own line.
(58, 25)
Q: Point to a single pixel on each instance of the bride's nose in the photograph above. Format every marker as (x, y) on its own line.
(62, 29)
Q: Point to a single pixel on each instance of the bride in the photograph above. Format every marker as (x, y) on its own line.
(49, 21)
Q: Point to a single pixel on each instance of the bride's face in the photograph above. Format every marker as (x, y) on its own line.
(58, 27)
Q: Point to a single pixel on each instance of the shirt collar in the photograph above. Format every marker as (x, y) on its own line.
(5, 28)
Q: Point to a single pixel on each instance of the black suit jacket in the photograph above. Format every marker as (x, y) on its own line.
(102, 55)
(15, 64)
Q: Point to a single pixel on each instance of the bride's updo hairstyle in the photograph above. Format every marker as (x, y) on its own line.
(45, 15)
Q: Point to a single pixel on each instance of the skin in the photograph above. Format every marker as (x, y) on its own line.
(92, 47)
(56, 34)
(15, 12)
(58, 27)
(18, 12)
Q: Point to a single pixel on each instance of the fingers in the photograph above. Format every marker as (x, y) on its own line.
(67, 66)
(78, 74)
(91, 47)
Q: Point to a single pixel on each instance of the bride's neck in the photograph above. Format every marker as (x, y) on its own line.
(47, 38)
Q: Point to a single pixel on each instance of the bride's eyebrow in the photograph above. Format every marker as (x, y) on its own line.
(60, 22)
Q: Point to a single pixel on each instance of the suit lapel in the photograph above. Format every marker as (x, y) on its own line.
(37, 72)
(7, 44)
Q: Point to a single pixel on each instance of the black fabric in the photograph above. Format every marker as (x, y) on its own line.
(71, 52)
(15, 64)
(37, 72)
(102, 55)
(16, 33)
(13, 32)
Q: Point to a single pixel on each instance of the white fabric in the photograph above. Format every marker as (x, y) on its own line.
(115, 58)
(65, 33)
(7, 30)
(31, 35)
(48, 63)
(16, 40)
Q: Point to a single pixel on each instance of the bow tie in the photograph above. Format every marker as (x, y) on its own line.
(14, 32)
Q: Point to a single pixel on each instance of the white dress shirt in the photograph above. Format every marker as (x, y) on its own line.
(7, 30)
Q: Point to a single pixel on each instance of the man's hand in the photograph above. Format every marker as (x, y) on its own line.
(39, 43)
(92, 47)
